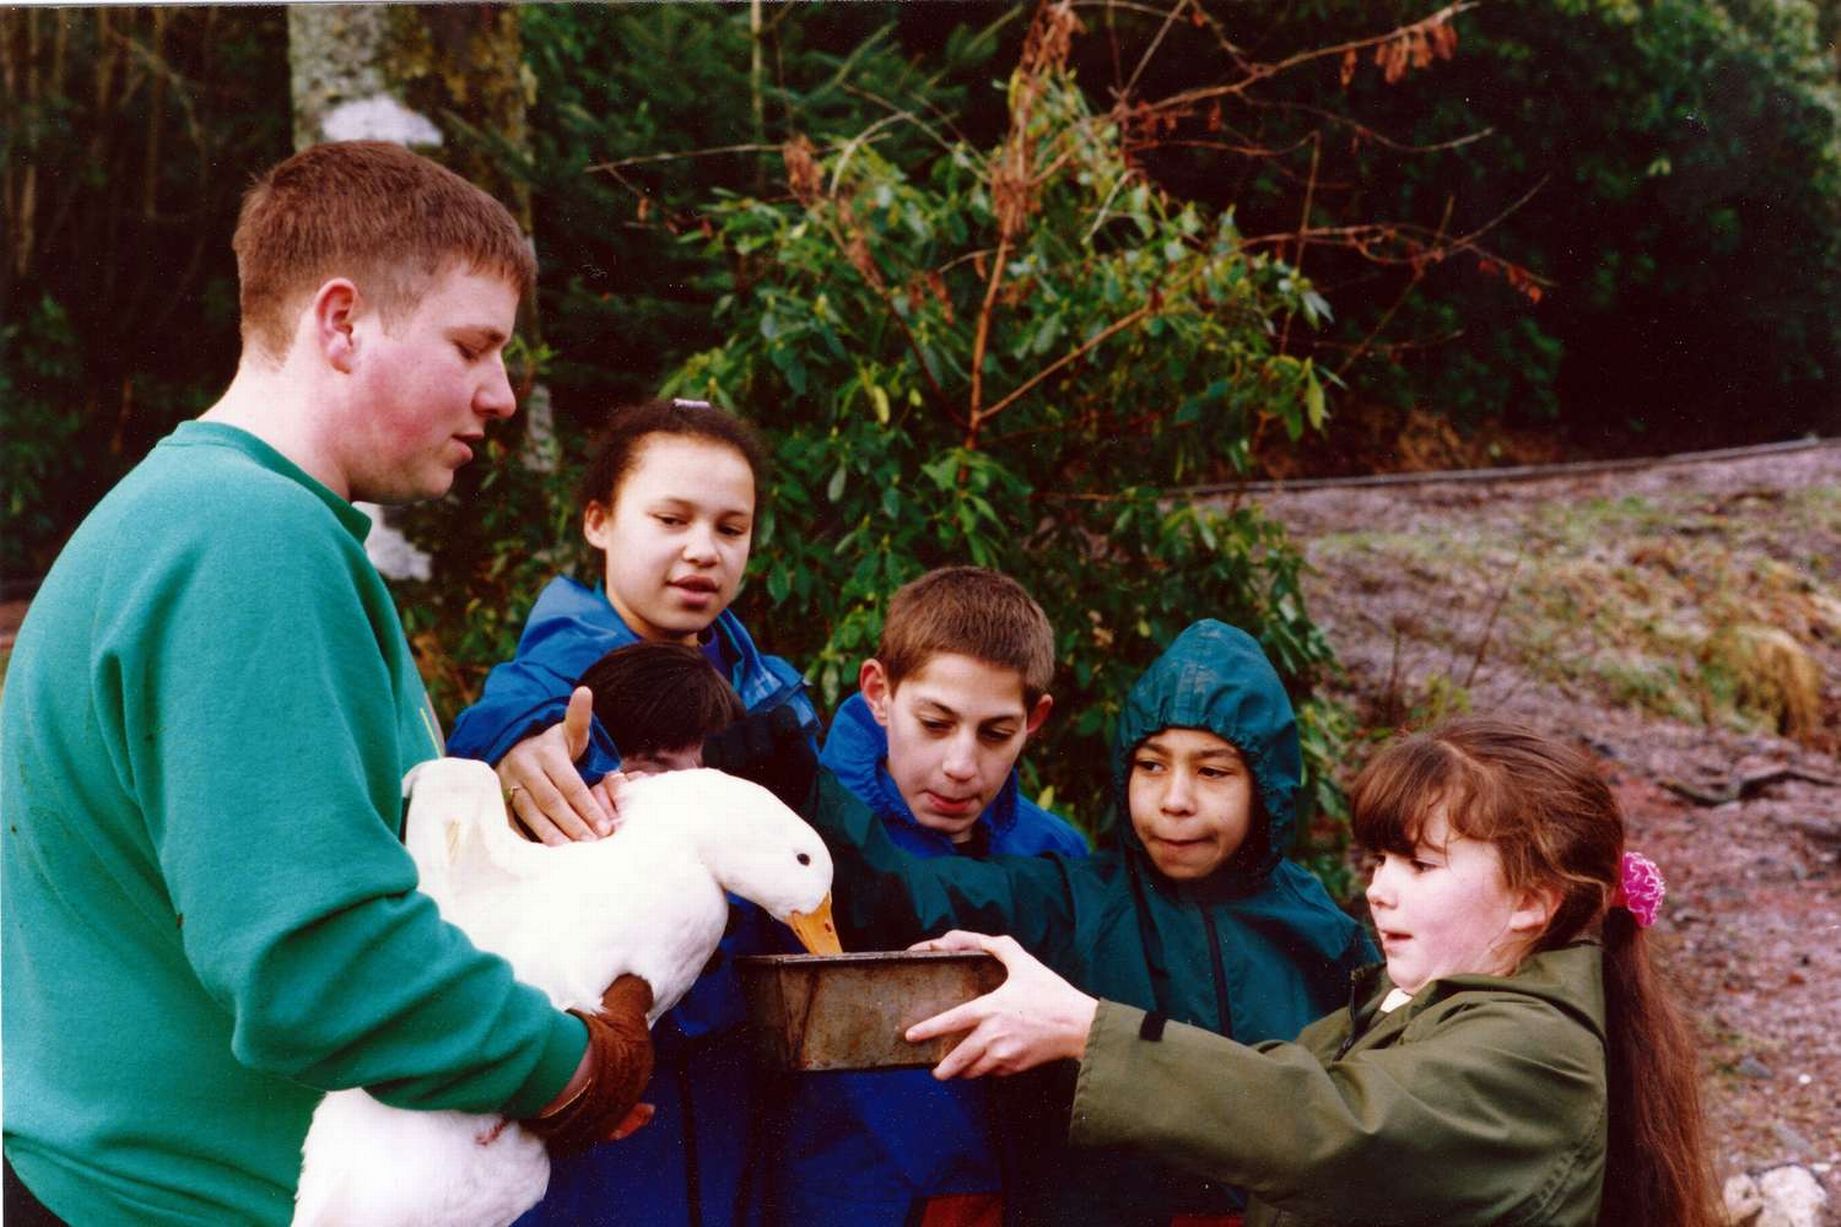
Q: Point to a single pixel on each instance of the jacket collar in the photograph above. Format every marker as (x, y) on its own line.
(857, 750)
(565, 602)
(1570, 978)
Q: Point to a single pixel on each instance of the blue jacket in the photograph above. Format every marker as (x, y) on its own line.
(1254, 951)
(869, 1145)
(571, 627)
(707, 1152)
(698, 1161)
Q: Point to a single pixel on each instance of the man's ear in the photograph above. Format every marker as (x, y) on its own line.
(334, 310)
(1534, 909)
(1036, 717)
(873, 681)
(595, 526)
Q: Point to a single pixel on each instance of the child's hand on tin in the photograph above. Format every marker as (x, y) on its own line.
(1033, 1017)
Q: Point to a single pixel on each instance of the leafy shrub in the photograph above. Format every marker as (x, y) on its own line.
(1002, 357)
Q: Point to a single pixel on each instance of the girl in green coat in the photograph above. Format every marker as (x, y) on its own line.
(1189, 909)
(1513, 1063)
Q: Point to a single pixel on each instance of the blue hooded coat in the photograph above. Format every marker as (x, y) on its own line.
(700, 1159)
(869, 1146)
(1254, 951)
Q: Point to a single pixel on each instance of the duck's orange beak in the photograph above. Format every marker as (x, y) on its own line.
(815, 930)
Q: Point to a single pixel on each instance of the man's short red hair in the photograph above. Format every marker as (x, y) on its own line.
(389, 220)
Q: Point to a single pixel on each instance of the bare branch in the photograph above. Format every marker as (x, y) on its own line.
(1297, 261)
(1145, 59)
(645, 158)
(858, 141)
(1399, 301)
(1086, 347)
(1249, 151)
(902, 112)
(1364, 132)
(1258, 72)
(1429, 244)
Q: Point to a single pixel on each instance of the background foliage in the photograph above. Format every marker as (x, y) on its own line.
(126, 140)
(1618, 217)
(1004, 355)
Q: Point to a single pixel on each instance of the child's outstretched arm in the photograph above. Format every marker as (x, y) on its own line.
(888, 897)
(1494, 1113)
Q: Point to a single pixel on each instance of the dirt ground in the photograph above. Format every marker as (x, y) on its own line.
(1594, 607)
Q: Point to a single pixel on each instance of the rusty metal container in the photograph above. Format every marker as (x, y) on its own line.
(848, 1011)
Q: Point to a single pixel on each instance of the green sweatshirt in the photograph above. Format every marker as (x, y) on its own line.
(1481, 1100)
(209, 918)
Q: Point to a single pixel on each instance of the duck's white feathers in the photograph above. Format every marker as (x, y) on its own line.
(368, 1163)
(570, 918)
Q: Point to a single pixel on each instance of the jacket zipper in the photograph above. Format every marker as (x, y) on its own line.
(1214, 950)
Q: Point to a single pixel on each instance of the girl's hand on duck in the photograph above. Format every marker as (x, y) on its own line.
(606, 790)
(1033, 1017)
(542, 787)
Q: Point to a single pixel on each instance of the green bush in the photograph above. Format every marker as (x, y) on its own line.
(1002, 356)
(1669, 170)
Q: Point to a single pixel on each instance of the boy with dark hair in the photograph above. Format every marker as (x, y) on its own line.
(211, 851)
(958, 683)
(701, 1159)
(658, 701)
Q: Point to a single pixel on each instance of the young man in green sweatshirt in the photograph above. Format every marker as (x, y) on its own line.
(210, 919)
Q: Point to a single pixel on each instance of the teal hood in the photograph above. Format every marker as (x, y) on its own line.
(1216, 678)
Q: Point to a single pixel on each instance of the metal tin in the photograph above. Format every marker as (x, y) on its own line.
(848, 1011)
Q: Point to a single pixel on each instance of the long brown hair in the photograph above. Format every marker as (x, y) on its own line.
(1556, 823)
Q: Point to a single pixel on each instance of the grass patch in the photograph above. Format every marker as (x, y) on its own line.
(1711, 610)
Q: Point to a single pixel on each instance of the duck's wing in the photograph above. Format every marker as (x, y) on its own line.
(457, 832)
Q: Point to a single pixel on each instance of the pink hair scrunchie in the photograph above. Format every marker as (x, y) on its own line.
(1642, 890)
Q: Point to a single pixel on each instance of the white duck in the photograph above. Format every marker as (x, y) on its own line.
(649, 900)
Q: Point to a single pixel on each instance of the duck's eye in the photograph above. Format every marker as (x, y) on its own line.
(805, 858)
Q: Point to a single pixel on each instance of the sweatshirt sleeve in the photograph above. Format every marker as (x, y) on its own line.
(886, 898)
(259, 686)
(1477, 1116)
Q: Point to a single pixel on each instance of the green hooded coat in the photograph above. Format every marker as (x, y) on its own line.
(1254, 951)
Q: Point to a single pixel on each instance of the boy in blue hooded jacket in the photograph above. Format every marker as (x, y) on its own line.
(1190, 911)
(929, 744)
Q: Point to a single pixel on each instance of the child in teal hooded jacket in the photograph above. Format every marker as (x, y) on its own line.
(1189, 911)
